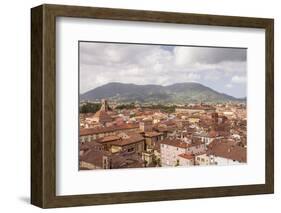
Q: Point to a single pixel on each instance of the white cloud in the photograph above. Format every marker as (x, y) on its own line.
(193, 76)
(182, 56)
(101, 63)
(238, 79)
(203, 55)
(229, 86)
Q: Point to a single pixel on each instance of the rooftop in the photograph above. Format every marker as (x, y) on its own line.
(91, 131)
(186, 156)
(175, 142)
(152, 134)
(228, 150)
(131, 140)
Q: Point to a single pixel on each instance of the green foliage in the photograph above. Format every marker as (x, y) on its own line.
(90, 107)
(126, 106)
(163, 108)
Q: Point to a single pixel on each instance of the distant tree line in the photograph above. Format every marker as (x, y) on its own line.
(90, 107)
(163, 108)
(126, 106)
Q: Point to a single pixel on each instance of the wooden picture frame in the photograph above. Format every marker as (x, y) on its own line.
(43, 105)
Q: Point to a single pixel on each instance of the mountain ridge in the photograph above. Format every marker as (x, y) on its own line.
(153, 93)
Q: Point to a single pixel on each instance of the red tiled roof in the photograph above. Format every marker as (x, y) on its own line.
(161, 129)
(175, 142)
(92, 131)
(227, 150)
(152, 134)
(213, 134)
(94, 157)
(90, 145)
(131, 140)
(118, 160)
(187, 156)
(108, 139)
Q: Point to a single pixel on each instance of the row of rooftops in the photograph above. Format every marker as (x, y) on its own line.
(136, 138)
(179, 143)
(97, 130)
(114, 140)
(218, 148)
(159, 131)
(168, 124)
(117, 160)
(227, 150)
(91, 131)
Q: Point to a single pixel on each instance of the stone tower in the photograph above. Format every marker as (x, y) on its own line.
(102, 116)
(104, 105)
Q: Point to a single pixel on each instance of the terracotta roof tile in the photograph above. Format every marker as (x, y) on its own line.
(227, 150)
(175, 142)
(186, 156)
(152, 134)
(131, 140)
(91, 131)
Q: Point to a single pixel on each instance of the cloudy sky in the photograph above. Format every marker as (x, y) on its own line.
(222, 69)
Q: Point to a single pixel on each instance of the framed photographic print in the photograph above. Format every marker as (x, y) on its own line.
(136, 106)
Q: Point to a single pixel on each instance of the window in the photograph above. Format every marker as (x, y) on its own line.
(131, 149)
